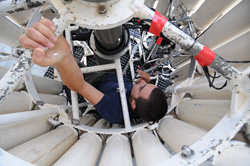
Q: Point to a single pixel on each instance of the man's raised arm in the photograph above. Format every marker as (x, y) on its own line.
(40, 36)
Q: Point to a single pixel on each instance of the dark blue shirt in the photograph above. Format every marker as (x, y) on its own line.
(109, 107)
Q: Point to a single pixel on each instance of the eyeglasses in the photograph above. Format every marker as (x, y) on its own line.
(141, 87)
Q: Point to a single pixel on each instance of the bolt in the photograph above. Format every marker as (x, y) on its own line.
(186, 151)
(75, 121)
(102, 10)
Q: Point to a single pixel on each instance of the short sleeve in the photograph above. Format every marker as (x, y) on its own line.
(109, 108)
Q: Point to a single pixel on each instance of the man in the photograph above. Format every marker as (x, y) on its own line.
(144, 99)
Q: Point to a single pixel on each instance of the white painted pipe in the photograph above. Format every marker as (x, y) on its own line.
(9, 6)
(42, 84)
(53, 99)
(75, 108)
(14, 134)
(84, 152)
(98, 68)
(22, 116)
(4, 70)
(234, 155)
(177, 133)
(88, 119)
(48, 148)
(16, 102)
(122, 94)
(148, 149)
(117, 152)
(205, 113)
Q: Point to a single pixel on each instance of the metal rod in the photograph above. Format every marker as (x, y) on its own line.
(29, 83)
(9, 6)
(122, 94)
(98, 68)
(108, 131)
(75, 108)
(74, 98)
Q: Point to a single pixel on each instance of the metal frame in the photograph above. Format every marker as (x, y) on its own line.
(117, 66)
(206, 148)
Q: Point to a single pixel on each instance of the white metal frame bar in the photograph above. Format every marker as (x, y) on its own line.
(74, 98)
(117, 66)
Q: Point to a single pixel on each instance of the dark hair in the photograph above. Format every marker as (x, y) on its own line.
(154, 108)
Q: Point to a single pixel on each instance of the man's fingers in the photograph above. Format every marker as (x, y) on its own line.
(25, 42)
(36, 36)
(143, 75)
(39, 57)
(45, 31)
(48, 24)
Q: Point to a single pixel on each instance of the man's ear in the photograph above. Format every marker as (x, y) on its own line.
(133, 104)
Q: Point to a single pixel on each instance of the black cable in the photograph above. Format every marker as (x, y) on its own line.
(208, 27)
(232, 61)
(237, 61)
(205, 69)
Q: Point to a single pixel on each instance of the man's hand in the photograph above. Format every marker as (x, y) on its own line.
(143, 75)
(40, 37)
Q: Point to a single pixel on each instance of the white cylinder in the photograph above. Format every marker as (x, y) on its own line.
(53, 99)
(46, 149)
(84, 152)
(16, 102)
(28, 115)
(207, 92)
(8, 159)
(117, 152)
(46, 85)
(102, 123)
(14, 134)
(177, 133)
(212, 94)
(205, 113)
(234, 155)
(88, 119)
(148, 149)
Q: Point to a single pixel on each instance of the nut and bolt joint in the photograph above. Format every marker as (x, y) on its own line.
(186, 151)
(102, 9)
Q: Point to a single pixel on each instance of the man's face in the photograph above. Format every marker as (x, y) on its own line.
(142, 89)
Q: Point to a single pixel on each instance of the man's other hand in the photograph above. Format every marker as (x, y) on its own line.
(48, 49)
(143, 75)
